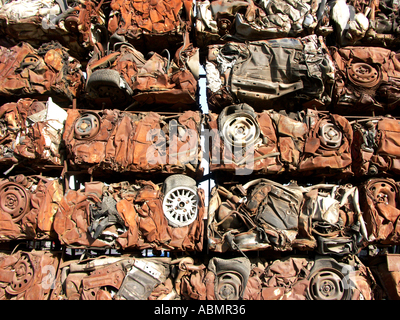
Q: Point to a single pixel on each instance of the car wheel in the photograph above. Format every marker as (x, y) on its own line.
(87, 126)
(180, 200)
(238, 125)
(105, 83)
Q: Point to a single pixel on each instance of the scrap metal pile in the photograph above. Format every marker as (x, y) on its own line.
(120, 181)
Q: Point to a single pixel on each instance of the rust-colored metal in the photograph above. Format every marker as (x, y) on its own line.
(77, 27)
(125, 75)
(28, 135)
(317, 144)
(46, 71)
(28, 275)
(268, 215)
(135, 142)
(28, 205)
(366, 80)
(381, 210)
(387, 271)
(151, 25)
(375, 148)
(136, 220)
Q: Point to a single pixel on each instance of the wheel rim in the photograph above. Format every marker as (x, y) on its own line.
(228, 287)
(327, 284)
(383, 192)
(180, 206)
(23, 275)
(363, 74)
(87, 126)
(15, 201)
(330, 135)
(240, 130)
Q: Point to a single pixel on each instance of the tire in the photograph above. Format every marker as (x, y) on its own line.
(106, 83)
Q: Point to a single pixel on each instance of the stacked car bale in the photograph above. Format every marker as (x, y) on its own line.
(288, 84)
(101, 153)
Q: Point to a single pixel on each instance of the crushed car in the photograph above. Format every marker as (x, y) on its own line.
(263, 214)
(28, 275)
(304, 278)
(279, 74)
(31, 134)
(28, 205)
(305, 143)
(137, 216)
(224, 20)
(107, 278)
(375, 146)
(133, 142)
(123, 76)
(381, 210)
(79, 27)
(48, 71)
(151, 25)
(367, 81)
(372, 23)
(386, 269)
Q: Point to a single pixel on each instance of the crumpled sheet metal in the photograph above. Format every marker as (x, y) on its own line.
(381, 210)
(155, 80)
(386, 269)
(47, 71)
(135, 215)
(27, 275)
(269, 74)
(375, 148)
(318, 143)
(219, 20)
(37, 22)
(108, 278)
(292, 278)
(373, 23)
(149, 24)
(28, 205)
(142, 142)
(264, 214)
(366, 80)
(131, 278)
(29, 134)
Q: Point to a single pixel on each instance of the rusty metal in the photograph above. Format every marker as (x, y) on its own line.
(366, 80)
(125, 75)
(14, 200)
(135, 221)
(50, 72)
(323, 217)
(375, 149)
(134, 142)
(27, 207)
(315, 143)
(78, 27)
(28, 275)
(150, 25)
(386, 268)
(381, 210)
(29, 134)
